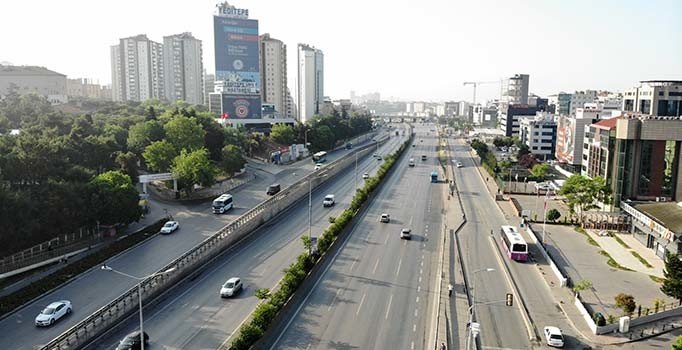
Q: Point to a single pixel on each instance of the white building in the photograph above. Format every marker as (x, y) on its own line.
(209, 83)
(515, 89)
(579, 98)
(137, 69)
(183, 68)
(32, 79)
(539, 134)
(273, 61)
(291, 105)
(310, 82)
(661, 98)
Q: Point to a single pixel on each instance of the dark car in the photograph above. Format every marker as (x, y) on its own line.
(273, 189)
(132, 341)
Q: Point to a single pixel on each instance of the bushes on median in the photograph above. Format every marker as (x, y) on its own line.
(296, 273)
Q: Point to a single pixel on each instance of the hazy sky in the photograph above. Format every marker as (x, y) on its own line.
(411, 49)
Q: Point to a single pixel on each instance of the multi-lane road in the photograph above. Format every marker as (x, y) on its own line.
(379, 291)
(96, 288)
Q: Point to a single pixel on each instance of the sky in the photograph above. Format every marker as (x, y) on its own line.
(406, 49)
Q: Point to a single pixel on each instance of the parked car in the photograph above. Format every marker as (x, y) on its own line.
(231, 287)
(385, 218)
(132, 341)
(406, 233)
(53, 313)
(365, 176)
(328, 200)
(170, 226)
(273, 189)
(554, 337)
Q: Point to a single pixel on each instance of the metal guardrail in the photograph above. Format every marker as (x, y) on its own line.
(126, 303)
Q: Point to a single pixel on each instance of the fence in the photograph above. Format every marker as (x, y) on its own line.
(195, 258)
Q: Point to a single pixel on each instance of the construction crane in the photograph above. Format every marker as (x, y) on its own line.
(476, 83)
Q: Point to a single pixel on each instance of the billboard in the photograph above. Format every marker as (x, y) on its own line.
(565, 150)
(236, 54)
(241, 106)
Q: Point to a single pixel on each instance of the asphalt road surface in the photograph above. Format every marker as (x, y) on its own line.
(379, 291)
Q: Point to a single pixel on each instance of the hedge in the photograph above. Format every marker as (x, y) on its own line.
(296, 273)
(46, 284)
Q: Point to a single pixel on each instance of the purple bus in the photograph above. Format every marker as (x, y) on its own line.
(513, 242)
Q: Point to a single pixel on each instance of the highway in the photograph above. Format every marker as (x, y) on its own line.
(95, 288)
(193, 316)
(501, 326)
(378, 293)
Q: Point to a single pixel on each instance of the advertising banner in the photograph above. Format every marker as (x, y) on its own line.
(241, 107)
(565, 149)
(236, 54)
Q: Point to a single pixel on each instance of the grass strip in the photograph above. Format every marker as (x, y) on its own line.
(612, 262)
(620, 241)
(641, 259)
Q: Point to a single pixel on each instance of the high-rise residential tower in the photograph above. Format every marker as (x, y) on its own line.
(273, 66)
(515, 89)
(310, 81)
(137, 70)
(183, 68)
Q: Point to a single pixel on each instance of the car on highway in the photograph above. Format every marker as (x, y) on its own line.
(132, 341)
(169, 227)
(553, 337)
(365, 176)
(413, 145)
(379, 158)
(273, 189)
(406, 233)
(328, 200)
(423, 156)
(53, 312)
(231, 287)
(318, 166)
(411, 162)
(385, 218)
(459, 164)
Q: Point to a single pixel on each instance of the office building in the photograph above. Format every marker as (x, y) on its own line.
(310, 82)
(183, 69)
(515, 89)
(657, 225)
(209, 84)
(291, 105)
(137, 69)
(561, 103)
(86, 88)
(655, 97)
(580, 98)
(539, 134)
(31, 79)
(510, 114)
(273, 56)
(571, 133)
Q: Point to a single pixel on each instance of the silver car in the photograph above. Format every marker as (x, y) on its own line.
(231, 287)
(53, 312)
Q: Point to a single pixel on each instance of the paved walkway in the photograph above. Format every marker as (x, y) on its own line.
(623, 255)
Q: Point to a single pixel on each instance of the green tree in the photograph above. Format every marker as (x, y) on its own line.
(262, 293)
(127, 163)
(672, 284)
(143, 134)
(678, 344)
(540, 171)
(582, 193)
(625, 302)
(193, 167)
(233, 161)
(214, 140)
(523, 150)
(581, 286)
(553, 214)
(159, 155)
(235, 136)
(185, 133)
(114, 198)
(282, 134)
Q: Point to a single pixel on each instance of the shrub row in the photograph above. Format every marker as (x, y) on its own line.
(47, 283)
(296, 273)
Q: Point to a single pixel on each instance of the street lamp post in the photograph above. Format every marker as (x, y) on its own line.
(473, 301)
(356, 171)
(310, 216)
(139, 292)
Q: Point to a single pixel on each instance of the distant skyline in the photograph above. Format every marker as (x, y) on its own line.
(411, 50)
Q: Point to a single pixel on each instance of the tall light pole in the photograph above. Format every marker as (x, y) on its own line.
(305, 137)
(310, 213)
(473, 301)
(356, 171)
(139, 292)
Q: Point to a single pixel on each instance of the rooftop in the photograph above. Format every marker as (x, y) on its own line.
(26, 70)
(606, 124)
(668, 214)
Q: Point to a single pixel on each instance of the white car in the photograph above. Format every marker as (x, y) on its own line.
(170, 226)
(231, 287)
(53, 312)
(459, 164)
(406, 233)
(318, 166)
(365, 176)
(328, 200)
(554, 337)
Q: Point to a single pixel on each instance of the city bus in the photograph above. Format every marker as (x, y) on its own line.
(320, 157)
(514, 244)
(222, 204)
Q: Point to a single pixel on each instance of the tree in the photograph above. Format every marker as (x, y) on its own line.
(672, 284)
(540, 171)
(527, 160)
(321, 138)
(127, 163)
(553, 214)
(193, 167)
(262, 293)
(159, 155)
(233, 161)
(678, 344)
(523, 150)
(114, 198)
(214, 140)
(582, 193)
(143, 134)
(185, 133)
(581, 286)
(282, 134)
(626, 302)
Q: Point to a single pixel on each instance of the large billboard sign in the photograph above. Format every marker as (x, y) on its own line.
(236, 54)
(241, 106)
(565, 150)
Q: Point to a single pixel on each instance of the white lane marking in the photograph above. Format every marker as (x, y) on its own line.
(422, 263)
(399, 263)
(412, 346)
(386, 240)
(308, 347)
(361, 301)
(427, 226)
(416, 311)
(336, 295)
(419, 289)
(414, 328)
(375, 267)
(420, 279)
(417, 298)
(411, 218)
(353, 264)
(421, 271)
(388, 309)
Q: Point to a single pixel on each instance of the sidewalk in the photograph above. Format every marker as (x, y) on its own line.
(623, 256)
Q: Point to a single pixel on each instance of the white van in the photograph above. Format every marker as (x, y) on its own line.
(411, 162)
(328, 200)
(222, 204)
